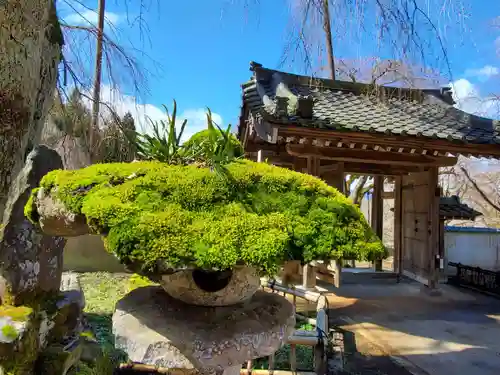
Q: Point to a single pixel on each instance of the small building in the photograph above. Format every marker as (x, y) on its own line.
(331, 128)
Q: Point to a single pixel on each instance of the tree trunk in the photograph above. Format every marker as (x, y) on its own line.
(359, 191)
(329, 40)
(30, 51)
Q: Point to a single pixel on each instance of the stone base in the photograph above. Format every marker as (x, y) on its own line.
(155, 329)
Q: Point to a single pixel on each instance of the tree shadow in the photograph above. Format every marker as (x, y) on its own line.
(360, 363)
(461, 330)
(356, 362)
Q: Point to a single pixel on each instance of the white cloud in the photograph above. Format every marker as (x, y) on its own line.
(196, 117)
(90, 17)
(484, 73)
(469, 99)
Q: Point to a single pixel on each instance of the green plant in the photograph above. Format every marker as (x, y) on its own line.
(212, 147)
(165, 143)
(10, 332)
(154, 214)
(104, 365)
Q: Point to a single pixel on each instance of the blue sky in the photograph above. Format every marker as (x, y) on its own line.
(198, 52)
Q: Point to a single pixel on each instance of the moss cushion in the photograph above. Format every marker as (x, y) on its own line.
(186, 216)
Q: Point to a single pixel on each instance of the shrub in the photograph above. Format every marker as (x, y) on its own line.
(153, 214)
(205, 140)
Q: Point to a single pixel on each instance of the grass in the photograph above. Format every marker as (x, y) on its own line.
(102, 291)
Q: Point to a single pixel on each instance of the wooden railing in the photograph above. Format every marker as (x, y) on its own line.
(317, 339)
(475, 277)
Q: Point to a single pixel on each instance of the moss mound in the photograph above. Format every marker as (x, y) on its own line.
(153, 213)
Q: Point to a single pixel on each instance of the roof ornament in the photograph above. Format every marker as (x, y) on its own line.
(447, 95)
(254, 65)
(281, 106)
(305, 106)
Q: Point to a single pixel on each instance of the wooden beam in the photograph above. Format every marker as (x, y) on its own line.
(331, 166)
(374, 157)
(388, 195)
(264, 146)
(419, 144)
(378, 169)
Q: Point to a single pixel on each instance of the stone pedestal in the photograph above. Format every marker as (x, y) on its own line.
(198, 287)
(155, 329)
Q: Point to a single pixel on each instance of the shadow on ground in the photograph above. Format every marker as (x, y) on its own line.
(360, 358)
(454, 334)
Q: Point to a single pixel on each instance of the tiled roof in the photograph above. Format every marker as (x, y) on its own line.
(339, 105)
(452, 208)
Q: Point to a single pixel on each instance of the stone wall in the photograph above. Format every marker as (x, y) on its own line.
(84, 253)
(87, 254)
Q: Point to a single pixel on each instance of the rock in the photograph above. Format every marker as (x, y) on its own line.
(155, 329)
(68, 319)
(56, 220)
(58, 359)
(30, 262)
(91, 350)
(72, 289)
(197, 287)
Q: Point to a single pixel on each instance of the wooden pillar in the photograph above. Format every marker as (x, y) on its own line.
(433, 227)
(336, 265)
(313, 166)
(377, 217)
(398, 221)
(260, 157)
(309, 271)
(335, 179)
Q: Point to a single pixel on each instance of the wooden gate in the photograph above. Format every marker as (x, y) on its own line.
(419, 225)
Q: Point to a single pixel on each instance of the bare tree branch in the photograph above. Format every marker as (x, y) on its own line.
(479, 190)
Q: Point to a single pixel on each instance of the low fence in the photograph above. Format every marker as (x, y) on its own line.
(317, 339)
(476, 278)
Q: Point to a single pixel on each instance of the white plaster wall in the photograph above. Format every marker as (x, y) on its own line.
(476, 249)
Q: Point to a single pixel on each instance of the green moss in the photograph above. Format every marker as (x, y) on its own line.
(17, 313)
(10, 332)
(87, 335)
(263, 215)
(138, 281)
(30, 209)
